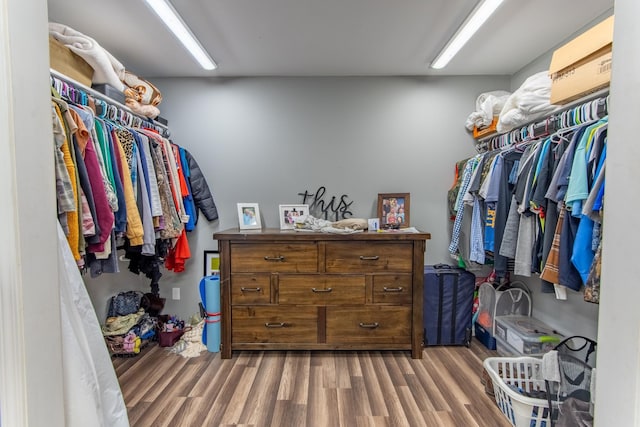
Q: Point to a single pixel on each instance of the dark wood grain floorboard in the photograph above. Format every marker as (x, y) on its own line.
(361, 406)
(397, 415)
(259, 404)
(305, 388)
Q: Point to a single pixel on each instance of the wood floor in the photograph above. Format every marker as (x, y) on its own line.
(302, 388)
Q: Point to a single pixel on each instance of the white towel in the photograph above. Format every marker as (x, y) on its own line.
(592, 386)
(551, 366)
(529, 102)
(488, 105)
(106, 68)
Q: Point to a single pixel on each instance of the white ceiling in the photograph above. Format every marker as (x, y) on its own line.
(326, 37)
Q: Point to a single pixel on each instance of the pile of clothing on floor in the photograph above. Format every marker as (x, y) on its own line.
(190, 343)
(128, 327)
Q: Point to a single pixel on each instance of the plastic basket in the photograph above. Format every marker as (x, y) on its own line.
(512, 377)
(501, 301)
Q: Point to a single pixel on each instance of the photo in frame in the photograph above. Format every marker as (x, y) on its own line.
(211, 263)
(249, 216)
(393, 210)
(288, 214)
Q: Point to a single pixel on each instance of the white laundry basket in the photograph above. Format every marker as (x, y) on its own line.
(512, 377)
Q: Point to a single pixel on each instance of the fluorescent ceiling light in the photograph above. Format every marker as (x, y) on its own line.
(480, 14)
(170, 17)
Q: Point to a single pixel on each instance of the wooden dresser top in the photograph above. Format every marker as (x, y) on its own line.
(271, 234)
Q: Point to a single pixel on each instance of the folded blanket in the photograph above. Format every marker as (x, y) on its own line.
(106, 68)
(150, 111)
(311, 223)
(529, 102)
(488, 105)
(141, 90)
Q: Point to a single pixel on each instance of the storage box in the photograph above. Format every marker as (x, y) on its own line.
(505, 350)
(162, 120)
(110, 91)
(488, 130)
(583, 65)
(64, 61)
(484, 336)
(525, 335)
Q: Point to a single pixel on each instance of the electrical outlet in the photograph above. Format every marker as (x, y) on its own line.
(176, 293)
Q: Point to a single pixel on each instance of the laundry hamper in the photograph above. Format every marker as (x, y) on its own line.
(499, 300)
(519, 390)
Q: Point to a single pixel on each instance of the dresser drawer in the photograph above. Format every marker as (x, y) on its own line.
(318, 289)
(375, 325)
(274, 257)
(364, 257)
(250, 288)
(263, 324)
(392, 289)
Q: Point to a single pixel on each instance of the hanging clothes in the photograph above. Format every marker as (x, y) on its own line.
(469, 169)
(502, 207)
(541, 200)
(122, 187)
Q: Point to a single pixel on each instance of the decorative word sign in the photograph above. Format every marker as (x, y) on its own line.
(339, 208)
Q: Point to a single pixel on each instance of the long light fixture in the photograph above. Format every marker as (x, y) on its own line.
(174, 22)
(480, 14)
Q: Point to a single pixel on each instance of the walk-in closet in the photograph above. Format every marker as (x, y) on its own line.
(256, 234)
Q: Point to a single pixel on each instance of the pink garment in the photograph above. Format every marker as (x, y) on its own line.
(88, 226)
(104, 213)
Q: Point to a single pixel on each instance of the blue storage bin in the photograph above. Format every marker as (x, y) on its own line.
(485, 337)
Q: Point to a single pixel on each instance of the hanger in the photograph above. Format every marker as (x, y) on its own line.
(586, 113)
(106, 109)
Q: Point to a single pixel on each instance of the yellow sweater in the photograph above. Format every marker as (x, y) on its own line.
(72, 217)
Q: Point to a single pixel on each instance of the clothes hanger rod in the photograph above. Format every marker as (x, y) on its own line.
(107, 99)
(487, 140)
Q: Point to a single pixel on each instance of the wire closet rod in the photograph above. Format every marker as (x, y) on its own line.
(80, 91)
(590, 107)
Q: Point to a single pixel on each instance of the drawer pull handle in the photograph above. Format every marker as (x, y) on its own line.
(398, 289)
(320, 291)
(275, 325)
(274, 258)
(369, 258)
(250, 289)
(369, 325)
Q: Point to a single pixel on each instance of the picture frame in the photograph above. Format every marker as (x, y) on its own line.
(211, 263)
(288, 214)
(249, 216)
(393, 210)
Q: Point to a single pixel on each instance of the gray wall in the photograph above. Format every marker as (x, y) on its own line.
(265, 140)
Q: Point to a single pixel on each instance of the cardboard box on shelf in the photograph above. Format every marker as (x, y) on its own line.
(64, 61)
(583, 65)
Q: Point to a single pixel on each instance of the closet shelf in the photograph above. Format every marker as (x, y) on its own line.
(119, 110)
(544, 126)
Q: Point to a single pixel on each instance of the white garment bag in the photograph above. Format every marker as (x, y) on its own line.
(92, 395)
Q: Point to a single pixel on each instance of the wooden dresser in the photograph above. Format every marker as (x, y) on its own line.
(293, 290)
